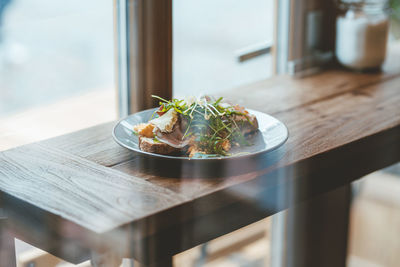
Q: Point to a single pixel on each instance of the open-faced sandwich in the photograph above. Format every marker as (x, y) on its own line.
(196, 127)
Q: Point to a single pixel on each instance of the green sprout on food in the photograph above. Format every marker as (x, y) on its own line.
(209, 121)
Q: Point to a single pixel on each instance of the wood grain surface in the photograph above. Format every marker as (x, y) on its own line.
(78, 190)
(342, 125)
(93, 144)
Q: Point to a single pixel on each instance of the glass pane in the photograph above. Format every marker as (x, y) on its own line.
(374, 219)
(207, 37)
(208, 181)
(56, 67)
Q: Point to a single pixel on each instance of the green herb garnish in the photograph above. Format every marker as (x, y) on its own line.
(211, 122)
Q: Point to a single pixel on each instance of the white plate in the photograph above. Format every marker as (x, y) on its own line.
(271, 135)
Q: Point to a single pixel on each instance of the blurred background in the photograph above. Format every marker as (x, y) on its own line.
(57, 57)
(57, 75)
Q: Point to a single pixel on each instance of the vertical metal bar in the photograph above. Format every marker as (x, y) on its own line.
(121, 57)
(145, 44)
(310, 47)
(278, 246)
(281, 57)
(282, 35)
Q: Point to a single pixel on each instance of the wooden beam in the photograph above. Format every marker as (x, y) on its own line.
(317, 231)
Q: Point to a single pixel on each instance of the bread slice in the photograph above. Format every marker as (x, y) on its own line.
(152, 146)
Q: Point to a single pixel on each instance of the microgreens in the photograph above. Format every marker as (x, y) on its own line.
(211, 122)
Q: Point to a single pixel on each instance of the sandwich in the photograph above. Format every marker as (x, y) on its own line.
(196, 127)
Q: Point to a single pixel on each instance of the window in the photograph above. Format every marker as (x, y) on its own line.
(208, 38)
(57, 68)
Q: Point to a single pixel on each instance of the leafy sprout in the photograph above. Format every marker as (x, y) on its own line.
(210, 122)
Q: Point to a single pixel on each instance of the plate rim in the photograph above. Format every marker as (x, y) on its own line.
(198, 159)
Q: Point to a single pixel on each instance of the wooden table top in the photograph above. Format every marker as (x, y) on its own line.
(82, 190)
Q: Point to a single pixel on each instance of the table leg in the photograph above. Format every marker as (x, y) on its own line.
(317, 230)
(7, 246)
(313, 233)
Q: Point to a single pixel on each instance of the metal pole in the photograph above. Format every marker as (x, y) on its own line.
(283, 9)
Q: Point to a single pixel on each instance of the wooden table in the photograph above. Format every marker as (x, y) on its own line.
(81, 195)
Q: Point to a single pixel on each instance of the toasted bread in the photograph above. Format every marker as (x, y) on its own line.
(152, 146)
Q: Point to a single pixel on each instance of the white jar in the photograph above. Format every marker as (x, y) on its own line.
(362, 33)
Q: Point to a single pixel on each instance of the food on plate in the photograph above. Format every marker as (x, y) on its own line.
(196, 127)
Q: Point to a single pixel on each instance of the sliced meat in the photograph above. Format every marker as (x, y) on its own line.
(166, 122)
(167, 143)
(175, 137)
